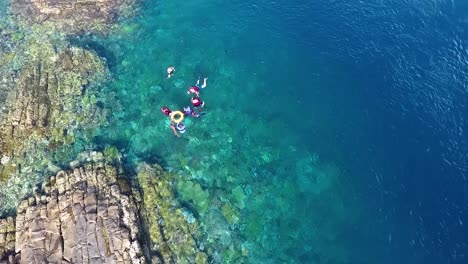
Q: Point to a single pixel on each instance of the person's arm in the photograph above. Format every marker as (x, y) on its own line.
(174, 130)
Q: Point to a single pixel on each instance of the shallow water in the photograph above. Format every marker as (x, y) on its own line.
(333, 133)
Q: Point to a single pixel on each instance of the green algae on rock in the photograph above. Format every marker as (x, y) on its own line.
(170, 232)
(45, 108)
(193, 193)
(231, 214)
(73, 16)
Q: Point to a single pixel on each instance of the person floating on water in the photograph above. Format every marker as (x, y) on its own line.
(189, 111)
(175, 126)
(166, 111)
(180, 127)
(196, 88)
(170, 71)
(197, 102)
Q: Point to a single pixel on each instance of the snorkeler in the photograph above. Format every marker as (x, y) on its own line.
(166, 110)
(197, 102)
(170, 71)
(196, 88)
(180, 127)
(189, 111)
(174, 129)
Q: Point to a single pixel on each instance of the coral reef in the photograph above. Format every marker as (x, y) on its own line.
(194, 193)
(172, 231)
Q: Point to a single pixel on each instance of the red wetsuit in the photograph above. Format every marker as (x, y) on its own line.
(166, 111)
(194, 89)
(197, 102)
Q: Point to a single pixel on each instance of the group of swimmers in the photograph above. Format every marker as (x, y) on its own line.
(177, 125)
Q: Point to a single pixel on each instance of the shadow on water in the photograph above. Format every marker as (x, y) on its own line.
(88, 43)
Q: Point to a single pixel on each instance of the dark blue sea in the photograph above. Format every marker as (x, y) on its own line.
(334, 131)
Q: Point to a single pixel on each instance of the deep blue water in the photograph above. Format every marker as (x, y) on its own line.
(412, 61)
(388, 81)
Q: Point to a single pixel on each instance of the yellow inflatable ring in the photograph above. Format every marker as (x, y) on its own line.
(177, 119)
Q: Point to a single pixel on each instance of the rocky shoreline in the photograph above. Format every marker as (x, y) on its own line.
(79, 216)
(92, 214)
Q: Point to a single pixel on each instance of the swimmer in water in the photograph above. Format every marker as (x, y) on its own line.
(197, 102)
(180, 127)
(170, 71)
(189, 111)
(196, 88)
(174, 129)
(167, 112)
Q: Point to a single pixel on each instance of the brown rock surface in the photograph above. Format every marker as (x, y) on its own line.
(81, 216)
(72, 15)
(7, 236)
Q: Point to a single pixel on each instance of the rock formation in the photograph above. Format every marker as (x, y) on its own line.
(80, 216)
(73, 16)
(52, 100)
(90, 214)
(7, 237)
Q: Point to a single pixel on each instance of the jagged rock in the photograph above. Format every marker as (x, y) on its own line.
(82, 217)
(73, 15)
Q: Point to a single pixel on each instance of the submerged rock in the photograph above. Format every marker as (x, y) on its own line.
(73, 16)
(51, 101)
(171, 233)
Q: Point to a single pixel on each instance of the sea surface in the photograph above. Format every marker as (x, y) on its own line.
(334, 131)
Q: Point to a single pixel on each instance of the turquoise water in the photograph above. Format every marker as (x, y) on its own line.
(263, 147)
